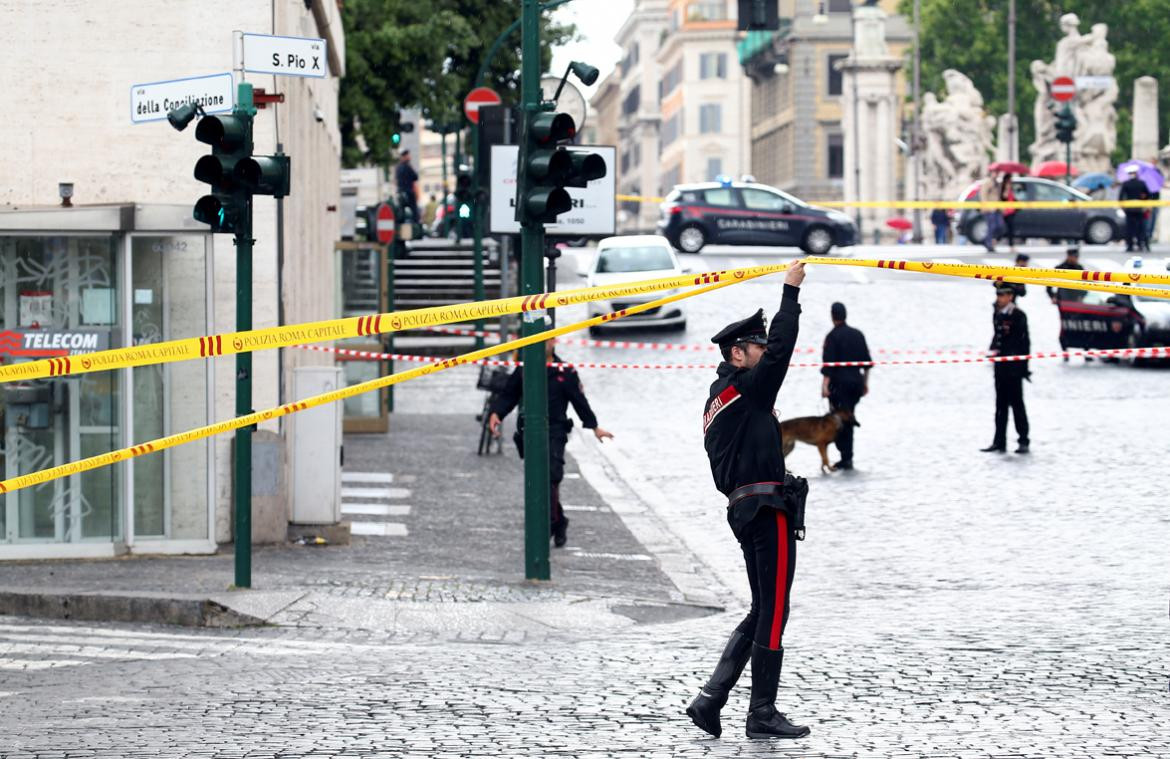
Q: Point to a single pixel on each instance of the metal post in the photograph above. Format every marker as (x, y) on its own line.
(443, 161)
(856, 123)
(916, 125)
(1011, 109)
(477, 230)
(388, 342)
(552, 254)
(536, 469)
(243, 475)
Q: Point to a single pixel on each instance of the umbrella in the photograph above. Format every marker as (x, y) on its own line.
(1054, 169)
(1009, 167)
(899, 222)
(1097, 180)
(1147, 172)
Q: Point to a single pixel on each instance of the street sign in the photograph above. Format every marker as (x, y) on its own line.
(286, 56)
(593, 205)
(152, 101)
(1063, 88)
(477, 97)
(1095, 82)
(384, 223)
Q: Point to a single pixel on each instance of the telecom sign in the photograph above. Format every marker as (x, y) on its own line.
(286, 56)
(152, 101)
(1063, 88)
(593, 209)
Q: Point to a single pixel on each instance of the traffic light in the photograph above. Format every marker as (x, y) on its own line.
(547, 167)
(1066, 125)
(230, 138)
(404, 128)
(463, 197)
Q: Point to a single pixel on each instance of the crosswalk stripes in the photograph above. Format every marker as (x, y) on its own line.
(367, 501)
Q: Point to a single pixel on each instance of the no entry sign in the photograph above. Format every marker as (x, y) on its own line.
(1063, 88)
(384, 224)
(476, 98)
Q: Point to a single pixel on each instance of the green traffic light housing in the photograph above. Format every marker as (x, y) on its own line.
(543, 205)
(227, 133)
(264, 175)
(584, 168)
(217, 211)
(552, 128)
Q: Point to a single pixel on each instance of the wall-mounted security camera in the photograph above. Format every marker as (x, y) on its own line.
(65, 190)
(318, 114)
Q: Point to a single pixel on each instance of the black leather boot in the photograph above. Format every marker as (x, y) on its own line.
(704, 710)
(763, 720)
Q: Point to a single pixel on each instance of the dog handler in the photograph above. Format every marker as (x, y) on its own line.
(742, 438)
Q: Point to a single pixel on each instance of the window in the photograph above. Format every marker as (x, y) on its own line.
(836, 156)
(1042, 191)
(722, 196)
(713, 66)
(672, 80)
(671, 177)
(762, 200)
(714, 167)
(641, 258)
(835, 75)
(625, 161)
(671, 129)
(840, 6)
(710, 118)
(630, 59)
(706, 10)
(637, 154)
(632, 102)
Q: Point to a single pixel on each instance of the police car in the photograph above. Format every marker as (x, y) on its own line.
(1097, 320)
(745, 213)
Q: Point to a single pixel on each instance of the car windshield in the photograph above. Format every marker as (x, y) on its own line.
(643, 258)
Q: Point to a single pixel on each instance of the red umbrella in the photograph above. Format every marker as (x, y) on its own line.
(899, 222)
(1054, 169)
(1009, 167)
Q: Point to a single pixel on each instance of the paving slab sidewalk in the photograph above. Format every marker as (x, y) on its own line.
(458, 571)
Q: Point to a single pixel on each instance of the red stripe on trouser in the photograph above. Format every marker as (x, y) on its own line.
(781, 580)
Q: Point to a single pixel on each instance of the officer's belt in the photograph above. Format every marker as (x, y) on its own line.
(757, 488)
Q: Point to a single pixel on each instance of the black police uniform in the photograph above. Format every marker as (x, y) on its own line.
(846, 383)
(1135, 218)
(564, 387)
(742, 436)
(1010, 339)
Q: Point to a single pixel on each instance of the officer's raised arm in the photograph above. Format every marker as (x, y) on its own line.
(764, 379)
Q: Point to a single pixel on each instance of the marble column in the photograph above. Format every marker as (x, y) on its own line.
(1145, 119)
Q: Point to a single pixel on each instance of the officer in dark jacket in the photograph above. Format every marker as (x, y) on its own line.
(1072, 261)
(1135, 218)
(844, 386)
(742, 436)
(564, 387)
(1010, 339)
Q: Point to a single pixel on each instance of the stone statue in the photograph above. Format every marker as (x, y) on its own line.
(1078, 55)
(870, 32)
(958, 136)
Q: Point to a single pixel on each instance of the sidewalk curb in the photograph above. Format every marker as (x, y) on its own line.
(238, 609)
(697, 583)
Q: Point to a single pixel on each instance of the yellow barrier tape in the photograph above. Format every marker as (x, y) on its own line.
(280, 337)
(200, 433)
(229, 343)
(955, 204)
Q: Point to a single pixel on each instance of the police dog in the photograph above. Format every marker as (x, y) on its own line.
(815, 430)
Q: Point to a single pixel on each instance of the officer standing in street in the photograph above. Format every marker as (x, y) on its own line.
(844, 386)
(1135, 218)
(564, 387)
(1072, 261)
(742, 438)
(1010, 339)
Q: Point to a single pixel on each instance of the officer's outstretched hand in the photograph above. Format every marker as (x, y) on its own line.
(602, 434)
(494, 424)
(795, 274)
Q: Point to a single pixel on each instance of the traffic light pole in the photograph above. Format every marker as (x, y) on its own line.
(242, 483)
(535, 376)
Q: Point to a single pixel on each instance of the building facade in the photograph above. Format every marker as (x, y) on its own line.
(703, 96)
(127, 265)
(797, 94)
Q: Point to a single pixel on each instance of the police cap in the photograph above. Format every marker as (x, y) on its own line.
(750, 330)
(1005, 288)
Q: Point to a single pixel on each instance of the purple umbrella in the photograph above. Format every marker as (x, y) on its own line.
(1147, 172)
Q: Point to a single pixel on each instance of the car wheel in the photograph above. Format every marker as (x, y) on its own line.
(680, 327)
(817, 241)
(691, 239)
(1099, 232)
(977, 231)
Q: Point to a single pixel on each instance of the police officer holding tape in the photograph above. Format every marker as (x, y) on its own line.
(765, 507)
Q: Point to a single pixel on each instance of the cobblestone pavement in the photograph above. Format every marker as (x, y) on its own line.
(948, 603)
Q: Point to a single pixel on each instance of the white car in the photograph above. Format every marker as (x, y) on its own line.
(631, 259)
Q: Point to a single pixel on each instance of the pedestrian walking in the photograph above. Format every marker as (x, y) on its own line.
(406, 180)
(1135, 218)
(564, 388)
(1007, 193)
(1010, 338)
(942, 224)
(765, 508)
(844, 386)
(429, 211)
(989, 192)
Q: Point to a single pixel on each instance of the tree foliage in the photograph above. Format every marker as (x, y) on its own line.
(971, 36)
(410, 54)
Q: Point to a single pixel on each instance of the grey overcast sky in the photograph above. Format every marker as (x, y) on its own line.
(597, 22)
